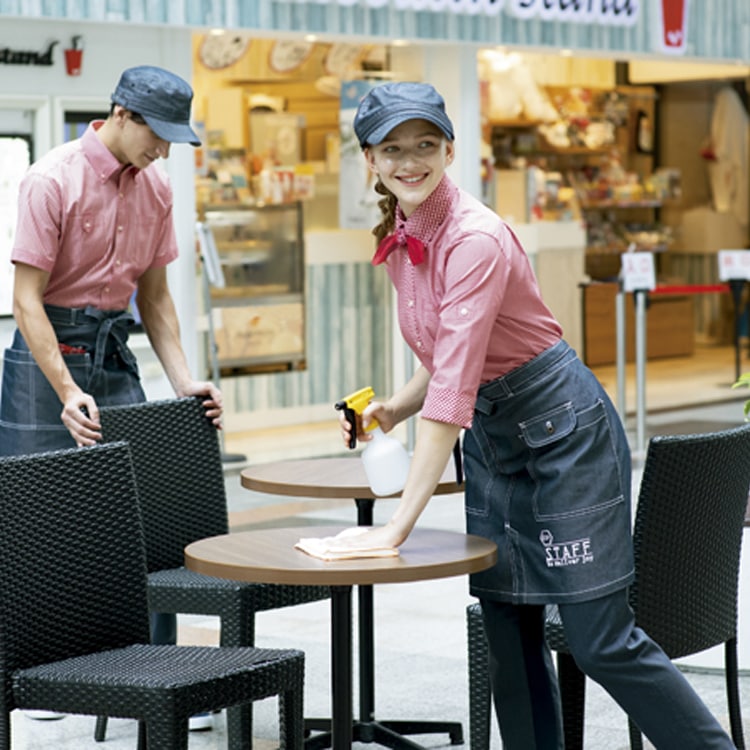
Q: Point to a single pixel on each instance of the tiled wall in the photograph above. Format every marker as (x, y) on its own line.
(348, 337)
(719, 29)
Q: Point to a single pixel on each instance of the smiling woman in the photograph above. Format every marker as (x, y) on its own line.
(547, 459)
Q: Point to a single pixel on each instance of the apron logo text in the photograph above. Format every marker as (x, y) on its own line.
(563, 554)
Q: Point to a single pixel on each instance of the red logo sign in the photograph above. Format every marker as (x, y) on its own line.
(673, 16)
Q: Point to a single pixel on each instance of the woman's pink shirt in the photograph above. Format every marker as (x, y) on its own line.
(472, 311)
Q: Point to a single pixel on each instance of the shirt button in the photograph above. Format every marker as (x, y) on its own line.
(410, 303)
(464, 311)
(122, 195)
(106, 289)
(420, 346)
(120, 228)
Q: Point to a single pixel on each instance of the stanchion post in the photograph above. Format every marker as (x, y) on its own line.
(641, 297)
(737, 287)
(620, 351)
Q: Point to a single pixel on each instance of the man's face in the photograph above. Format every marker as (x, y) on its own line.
(138, 144)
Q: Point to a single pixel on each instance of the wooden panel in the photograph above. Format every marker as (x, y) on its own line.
(669, 326)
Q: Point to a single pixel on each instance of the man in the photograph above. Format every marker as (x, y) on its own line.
(94, 226)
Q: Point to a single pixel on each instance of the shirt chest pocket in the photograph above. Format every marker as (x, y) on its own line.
(88, 225)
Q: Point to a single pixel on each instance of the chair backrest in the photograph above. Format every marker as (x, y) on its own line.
(178, 473)
(687, 538)
(72, 558)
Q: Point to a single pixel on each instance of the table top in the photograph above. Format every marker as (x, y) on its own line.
(269, 556)
(342, 477)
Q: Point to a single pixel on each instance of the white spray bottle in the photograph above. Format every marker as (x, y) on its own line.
(385, 459)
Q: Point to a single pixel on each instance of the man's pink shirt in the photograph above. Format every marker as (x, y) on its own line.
(95, 226)
(472, 311)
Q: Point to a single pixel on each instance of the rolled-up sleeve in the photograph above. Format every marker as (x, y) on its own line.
(475, 276)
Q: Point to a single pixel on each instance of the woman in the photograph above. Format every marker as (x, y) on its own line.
(547, 461)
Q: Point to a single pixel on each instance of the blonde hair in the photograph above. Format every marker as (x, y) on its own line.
(387, 205)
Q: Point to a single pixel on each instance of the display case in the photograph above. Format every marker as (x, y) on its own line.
(256, 270)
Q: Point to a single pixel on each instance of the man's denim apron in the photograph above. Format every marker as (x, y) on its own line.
(30, 409)
(548, 480)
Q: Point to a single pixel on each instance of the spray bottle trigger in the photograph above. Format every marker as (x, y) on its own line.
(351, 416)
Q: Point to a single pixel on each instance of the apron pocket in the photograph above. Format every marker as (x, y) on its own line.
(28, 399)
(573, 462)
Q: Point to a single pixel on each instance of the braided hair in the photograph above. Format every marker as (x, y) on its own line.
(387, 205)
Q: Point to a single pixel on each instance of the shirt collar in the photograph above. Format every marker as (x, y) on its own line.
(102, 160)
(430, 214)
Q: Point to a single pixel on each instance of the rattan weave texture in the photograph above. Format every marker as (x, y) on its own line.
(687, 540)
(73, 612)
(182, 494)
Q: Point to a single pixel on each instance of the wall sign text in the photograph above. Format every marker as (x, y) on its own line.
(10, 56)
(608, 12)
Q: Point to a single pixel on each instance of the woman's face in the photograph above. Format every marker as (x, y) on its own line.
(411, 161)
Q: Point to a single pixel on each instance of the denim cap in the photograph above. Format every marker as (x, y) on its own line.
(388, 105)
(161, 98)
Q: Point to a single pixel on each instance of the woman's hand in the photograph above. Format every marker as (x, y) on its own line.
(375, 410)
(371, 537)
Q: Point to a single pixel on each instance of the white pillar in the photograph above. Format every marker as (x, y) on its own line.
(452, 70)
(182, 272)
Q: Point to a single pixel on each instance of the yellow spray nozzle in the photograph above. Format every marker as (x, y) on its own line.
(353, 404)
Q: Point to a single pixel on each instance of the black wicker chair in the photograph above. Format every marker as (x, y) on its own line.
(74, 625)
(687, 540)
(182, 494)
(571, 680)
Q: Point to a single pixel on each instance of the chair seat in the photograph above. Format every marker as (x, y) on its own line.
(133, 682)
(554, 632)
(181, 590)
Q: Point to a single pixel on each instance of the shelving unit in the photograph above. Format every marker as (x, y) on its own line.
(257, 297)
(614, 221)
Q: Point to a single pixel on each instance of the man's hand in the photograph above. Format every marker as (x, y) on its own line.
(213, 403)
(80, 415)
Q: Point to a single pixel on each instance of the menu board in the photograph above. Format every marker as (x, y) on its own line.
(15, 157)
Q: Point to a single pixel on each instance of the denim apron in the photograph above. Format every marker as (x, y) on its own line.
(29, 407)
(548, 480)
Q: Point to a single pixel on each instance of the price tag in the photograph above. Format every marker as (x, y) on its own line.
(734, 264)
(637, 271)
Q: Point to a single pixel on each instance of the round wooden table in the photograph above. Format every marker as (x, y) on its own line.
(345, 478)
(329, 478)
(269, 556)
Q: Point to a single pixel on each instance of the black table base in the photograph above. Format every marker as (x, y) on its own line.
(390, 734)
(341, 734)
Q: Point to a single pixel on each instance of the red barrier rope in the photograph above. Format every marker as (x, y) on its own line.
(691, 289)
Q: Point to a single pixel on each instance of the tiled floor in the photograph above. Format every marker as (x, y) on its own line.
(421, 669)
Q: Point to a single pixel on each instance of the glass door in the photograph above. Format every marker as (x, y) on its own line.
(15, 155)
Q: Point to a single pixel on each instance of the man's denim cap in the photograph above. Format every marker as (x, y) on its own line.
(390, 104)
(161, 98)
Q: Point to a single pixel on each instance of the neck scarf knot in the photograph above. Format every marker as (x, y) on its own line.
(414, 247)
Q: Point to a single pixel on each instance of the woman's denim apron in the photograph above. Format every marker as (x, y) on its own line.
(548, 480)
(30, 409)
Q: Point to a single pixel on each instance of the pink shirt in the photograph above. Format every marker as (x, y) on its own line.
(94, 226)
(472, 310)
